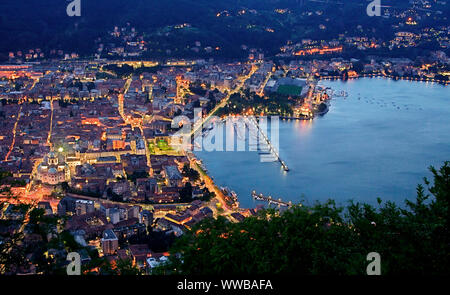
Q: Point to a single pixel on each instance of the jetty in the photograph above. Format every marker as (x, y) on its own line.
(270, 200)
(269, 148)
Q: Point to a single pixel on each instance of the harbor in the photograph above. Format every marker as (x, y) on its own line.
(317, 174)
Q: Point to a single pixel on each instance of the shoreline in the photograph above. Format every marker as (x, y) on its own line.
(395, 78)
(301, 119)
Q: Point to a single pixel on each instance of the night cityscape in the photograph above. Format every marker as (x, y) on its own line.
(179, 137)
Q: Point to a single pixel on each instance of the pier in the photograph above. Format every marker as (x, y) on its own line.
(270, 200)
(271, 148)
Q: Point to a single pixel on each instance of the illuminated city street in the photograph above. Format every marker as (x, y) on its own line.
(222, 146)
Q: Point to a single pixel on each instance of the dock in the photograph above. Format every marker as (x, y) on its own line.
(270, 200)
(271, 148)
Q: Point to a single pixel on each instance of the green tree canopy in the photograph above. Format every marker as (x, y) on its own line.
(327, 239)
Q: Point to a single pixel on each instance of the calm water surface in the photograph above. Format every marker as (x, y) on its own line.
(377, 142)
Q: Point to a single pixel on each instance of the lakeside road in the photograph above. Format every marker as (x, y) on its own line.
(383, 74)
(212, 187)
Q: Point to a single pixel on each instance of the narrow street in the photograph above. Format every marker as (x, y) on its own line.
(14, 134)
(49, 137)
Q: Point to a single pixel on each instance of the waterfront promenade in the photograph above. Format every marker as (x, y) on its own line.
(384, 75)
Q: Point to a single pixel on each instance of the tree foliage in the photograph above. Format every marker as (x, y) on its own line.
(327, 239)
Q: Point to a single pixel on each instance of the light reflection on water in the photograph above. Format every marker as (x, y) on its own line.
(378, 142)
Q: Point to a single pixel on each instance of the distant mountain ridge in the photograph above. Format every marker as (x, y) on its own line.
(44, 24)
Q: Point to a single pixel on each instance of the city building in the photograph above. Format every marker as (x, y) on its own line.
(110, 242)
(53, 170)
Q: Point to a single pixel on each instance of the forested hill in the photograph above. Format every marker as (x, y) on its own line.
(228, 24)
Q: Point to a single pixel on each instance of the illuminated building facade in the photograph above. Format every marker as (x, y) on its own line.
(53, 169)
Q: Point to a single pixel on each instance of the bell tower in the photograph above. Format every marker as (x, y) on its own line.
(52, 158)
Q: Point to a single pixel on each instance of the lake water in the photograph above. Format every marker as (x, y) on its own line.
(377, 142)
